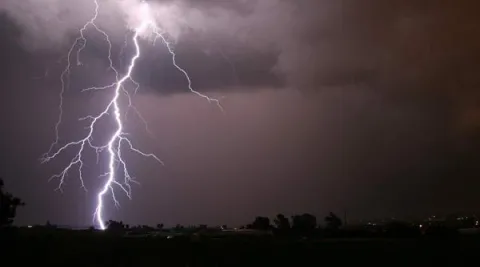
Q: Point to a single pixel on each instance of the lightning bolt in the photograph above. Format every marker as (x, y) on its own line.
(119, 139)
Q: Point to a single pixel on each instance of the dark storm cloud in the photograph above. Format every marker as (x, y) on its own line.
(311, 44)
(400, 47)
(425, 50)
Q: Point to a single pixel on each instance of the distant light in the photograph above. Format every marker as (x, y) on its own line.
(31, 226)
(420, 225)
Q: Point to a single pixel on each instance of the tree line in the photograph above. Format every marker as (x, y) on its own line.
(303, 224)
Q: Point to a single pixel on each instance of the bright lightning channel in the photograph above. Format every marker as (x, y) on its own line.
(119, 138)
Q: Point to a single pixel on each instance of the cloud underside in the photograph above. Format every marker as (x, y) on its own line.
(426, 50)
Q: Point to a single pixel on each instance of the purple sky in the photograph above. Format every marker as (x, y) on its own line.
(366, 106)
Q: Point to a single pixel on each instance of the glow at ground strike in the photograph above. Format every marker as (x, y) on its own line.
(119, 139)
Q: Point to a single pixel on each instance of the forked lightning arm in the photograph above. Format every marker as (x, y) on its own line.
(119, 138)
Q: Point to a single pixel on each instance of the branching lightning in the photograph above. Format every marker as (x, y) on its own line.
(119, 139)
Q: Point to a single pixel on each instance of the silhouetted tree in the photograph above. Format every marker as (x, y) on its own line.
(8, 206)
(333, 221)
(304, 224)
(114, 226)
(160, 226)
(282, 223)
(261, 223)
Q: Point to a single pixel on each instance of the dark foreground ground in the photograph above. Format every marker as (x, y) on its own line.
(100, 249)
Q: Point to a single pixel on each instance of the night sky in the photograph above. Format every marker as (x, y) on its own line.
(367, 106)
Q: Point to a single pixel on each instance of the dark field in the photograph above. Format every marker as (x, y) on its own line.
(100, 249)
